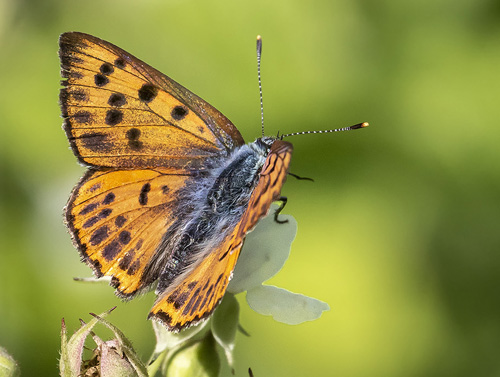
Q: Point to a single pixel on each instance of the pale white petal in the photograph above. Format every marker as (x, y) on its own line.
(264, 253)
(285, 306)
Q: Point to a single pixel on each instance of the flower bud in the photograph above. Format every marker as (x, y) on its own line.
(112, 358)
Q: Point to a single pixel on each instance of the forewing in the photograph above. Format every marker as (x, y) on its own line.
(117, 219)
(200, 291)
(120, 112)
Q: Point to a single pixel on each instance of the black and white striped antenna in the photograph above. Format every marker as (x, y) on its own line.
(259, 53)
(355, 127)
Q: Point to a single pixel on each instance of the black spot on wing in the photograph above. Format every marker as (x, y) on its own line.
(113, 117)
(109, 198)
(120, 63)
(120, 221)
(95, 219)
(179, 112)
(111, 250)
(191, 303)
(100, 80)
(106, 69)
(82, 117)
(91, 222)
(117, 100)
(181, 299)
(99, 235)
(105, 213)
(143, 196)
(95, 141)
(147, 93)
(95, 187)
(89, 208)
(133, 135)
(135, 144)
(124, 237)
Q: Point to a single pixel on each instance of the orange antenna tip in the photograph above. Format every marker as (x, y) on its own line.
(359, 125)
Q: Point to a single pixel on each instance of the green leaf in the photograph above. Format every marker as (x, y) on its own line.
(265, 252)
(225, 325)
(285, 306)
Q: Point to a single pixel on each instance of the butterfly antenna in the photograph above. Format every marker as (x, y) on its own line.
(259, 53)
(355, 127)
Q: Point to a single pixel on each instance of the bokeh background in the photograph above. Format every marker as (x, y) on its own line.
(398, 233)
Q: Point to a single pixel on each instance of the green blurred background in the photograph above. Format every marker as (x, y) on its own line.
(399, 231)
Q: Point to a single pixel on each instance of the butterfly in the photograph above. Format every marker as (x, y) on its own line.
(171, 188)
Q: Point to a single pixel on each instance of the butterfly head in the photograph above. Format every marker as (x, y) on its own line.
(264, 143)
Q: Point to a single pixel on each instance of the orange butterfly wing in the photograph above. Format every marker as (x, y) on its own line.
(117, 219)
(120, 112)
(196, 295)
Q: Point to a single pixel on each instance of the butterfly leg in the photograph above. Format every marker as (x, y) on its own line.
(300, 178)
(283, 200)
